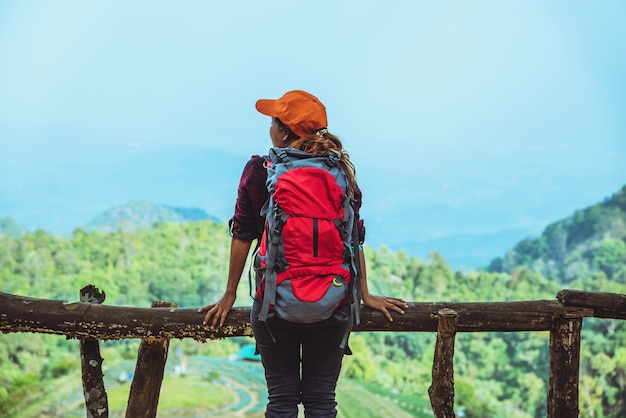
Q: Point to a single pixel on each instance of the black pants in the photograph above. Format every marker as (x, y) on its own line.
(302, 363)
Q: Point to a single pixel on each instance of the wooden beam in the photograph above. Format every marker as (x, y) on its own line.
(564, 368)
(81, 320)
(441, 391)
(605, 305)
(145, 389)
(96, 401)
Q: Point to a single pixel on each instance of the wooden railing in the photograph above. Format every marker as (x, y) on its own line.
(90, 321)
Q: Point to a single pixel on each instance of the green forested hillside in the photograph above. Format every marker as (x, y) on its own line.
(591, 241)
(496, 374)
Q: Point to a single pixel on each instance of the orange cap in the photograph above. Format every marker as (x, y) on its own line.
(302, 112)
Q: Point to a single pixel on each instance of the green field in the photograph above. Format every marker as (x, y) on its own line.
(211, 387)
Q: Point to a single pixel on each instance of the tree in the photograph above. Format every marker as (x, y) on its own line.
(611, 256)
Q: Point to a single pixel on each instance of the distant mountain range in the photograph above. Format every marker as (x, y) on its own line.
(10, 228)
(62, 197)
(138, 214)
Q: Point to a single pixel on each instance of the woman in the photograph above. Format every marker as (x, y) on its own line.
(302, 361)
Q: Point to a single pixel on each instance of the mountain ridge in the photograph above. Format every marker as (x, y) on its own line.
(140, 214)
(61, 197)
(592, 239)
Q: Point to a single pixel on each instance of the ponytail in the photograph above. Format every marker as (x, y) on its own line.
(321, 142)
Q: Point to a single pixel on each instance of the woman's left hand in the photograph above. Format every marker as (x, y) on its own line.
(385, 304)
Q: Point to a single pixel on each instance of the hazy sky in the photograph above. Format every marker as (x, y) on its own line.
(513, 107)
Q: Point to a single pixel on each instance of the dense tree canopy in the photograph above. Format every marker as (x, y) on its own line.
(497, 374)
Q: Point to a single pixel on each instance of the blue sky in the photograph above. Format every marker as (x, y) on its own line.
(494, 115)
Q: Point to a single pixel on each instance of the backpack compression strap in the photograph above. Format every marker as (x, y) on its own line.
(269, 294)
(281, 157)
(333, 159)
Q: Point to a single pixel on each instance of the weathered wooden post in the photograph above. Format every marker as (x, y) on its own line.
(564, 367)
(96, 400)
(146, 386)
(441, 391)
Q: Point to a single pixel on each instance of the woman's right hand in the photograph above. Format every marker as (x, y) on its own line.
(218, 311)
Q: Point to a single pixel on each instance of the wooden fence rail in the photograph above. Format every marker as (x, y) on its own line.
(102, 322)
(563, 319)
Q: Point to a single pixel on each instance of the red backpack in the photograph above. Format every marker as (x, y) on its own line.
(306, 265)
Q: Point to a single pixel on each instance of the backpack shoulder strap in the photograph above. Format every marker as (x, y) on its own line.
(356, 260)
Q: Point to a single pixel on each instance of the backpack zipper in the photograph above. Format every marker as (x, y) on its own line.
(315, 237)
